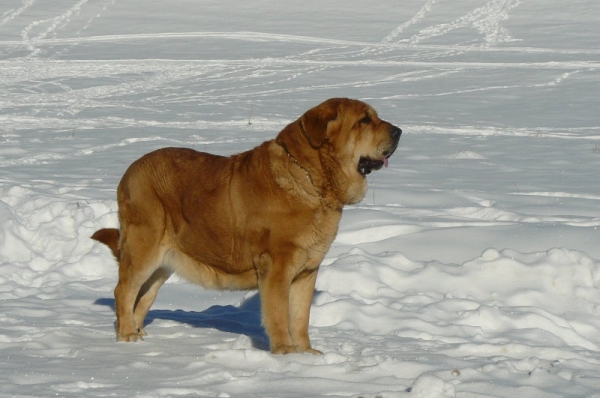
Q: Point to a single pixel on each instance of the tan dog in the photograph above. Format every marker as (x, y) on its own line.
(260, 219)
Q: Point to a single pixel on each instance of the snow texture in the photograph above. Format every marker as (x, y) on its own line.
(470, 269)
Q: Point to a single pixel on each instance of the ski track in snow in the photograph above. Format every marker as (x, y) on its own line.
(486, 19)
(470, 269)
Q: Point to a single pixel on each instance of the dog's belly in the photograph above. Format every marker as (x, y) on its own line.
(210, 274)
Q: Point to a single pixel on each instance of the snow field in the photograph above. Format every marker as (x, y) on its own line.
(471, 268)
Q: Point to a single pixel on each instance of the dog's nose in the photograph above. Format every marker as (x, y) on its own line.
(395, 133)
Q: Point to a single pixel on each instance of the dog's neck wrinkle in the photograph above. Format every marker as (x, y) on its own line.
(336, 182)
(317, 189)
(295, 161)
(289, 139)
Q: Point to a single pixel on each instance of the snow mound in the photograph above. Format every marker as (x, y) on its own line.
(44, 242)
(466, 155)
(428, 386)
(498, 298)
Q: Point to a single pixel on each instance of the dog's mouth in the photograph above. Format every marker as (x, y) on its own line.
(367, 165)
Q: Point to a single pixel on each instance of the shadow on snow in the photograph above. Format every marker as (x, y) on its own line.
(245, 319)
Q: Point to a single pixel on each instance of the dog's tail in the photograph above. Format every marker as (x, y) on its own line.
(110, 237)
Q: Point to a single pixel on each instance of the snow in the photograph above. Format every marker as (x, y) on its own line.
(470, 269)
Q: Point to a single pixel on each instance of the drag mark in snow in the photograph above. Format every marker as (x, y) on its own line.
(10, 15)
(589, 133)
(376, 234)
(495, 13)
(89, 22)
(55, 23)
(503, 217)
(244, 36)
(48, 158)
(486, 19)
(560, 195)
(416, 18)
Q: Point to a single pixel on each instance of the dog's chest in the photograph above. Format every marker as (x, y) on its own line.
(322, 230)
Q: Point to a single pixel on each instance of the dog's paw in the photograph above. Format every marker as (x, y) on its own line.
(284, 349)
(312, 351)
(293, 349)
(130, 338)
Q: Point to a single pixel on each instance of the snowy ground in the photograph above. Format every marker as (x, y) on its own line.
(471, 269)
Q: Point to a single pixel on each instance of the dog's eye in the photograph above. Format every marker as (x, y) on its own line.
(365, 120)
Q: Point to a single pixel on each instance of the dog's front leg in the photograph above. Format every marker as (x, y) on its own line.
(301, 297)
(274, 280)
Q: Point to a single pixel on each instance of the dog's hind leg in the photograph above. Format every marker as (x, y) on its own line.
(147, 296)
(140, 258)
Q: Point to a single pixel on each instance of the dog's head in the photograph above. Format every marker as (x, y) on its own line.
(351, 140)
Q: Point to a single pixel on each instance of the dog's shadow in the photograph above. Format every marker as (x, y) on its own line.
(244, 319)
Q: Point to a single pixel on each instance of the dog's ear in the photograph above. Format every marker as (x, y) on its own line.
(314, 123)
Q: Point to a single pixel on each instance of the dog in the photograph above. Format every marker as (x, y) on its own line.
(262, 219)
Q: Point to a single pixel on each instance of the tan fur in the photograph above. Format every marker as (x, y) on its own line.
(261, 219)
